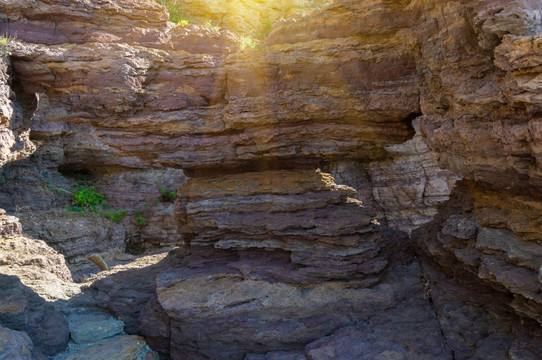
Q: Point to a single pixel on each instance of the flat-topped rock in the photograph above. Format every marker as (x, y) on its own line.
(127, 347)
(86, 329)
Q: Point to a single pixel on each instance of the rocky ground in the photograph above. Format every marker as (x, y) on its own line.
(363, 184)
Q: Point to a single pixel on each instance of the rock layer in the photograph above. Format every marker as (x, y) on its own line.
(325, 234)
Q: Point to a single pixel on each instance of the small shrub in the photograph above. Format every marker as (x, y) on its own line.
(175, 12)
(75, 208)
(167, 195)
(248, 42)
(87, 198)
(140, 220)
(5, 48)
(116, 216)
(209, 24)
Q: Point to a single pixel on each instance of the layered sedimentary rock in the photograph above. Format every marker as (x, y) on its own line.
(325, 234)
(405, 190)
(34, 262)
(481, 109)
(272, 242)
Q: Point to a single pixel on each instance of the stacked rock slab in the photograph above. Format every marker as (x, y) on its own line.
(298, 252)
(302, 214)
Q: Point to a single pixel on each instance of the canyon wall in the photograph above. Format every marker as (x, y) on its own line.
(400, 101)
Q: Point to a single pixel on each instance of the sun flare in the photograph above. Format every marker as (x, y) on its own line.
(244, 17)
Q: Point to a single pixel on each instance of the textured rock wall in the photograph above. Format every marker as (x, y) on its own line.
(270, 241)
(480, 107)
(14, 141)
(29, 326)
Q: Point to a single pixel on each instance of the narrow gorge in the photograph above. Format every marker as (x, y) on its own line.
(271, 180)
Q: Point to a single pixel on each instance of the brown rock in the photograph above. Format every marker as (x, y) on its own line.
(328, 235)
(77, 237)
(124, 292)
(14, 135)
(38, 266)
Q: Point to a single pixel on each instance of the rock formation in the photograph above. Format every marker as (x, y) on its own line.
(227, 153)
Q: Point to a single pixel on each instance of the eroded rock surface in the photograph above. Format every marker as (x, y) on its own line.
(14, 133)
(17, 345)
(22, 309)
(270, 242)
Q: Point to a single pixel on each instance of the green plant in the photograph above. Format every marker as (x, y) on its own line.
(167, 195)
(116, 216)
(175, 12)
(5, 48)
(87, 198)
(248, 42)
(75, 208)
(140, 220)
(209, 24)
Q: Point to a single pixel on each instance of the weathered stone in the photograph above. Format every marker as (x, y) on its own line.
(277, 355)
(125, 289)
(14, 135)
(23, 310)
(328, 235)
(127, 347)
(92, 328)
(9, 226)
(38, 266)
(124, 91)
(15, 345)
(77, 237)
(404, 191)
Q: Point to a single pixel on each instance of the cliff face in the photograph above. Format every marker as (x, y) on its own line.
(481, 111)
(397, 100)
